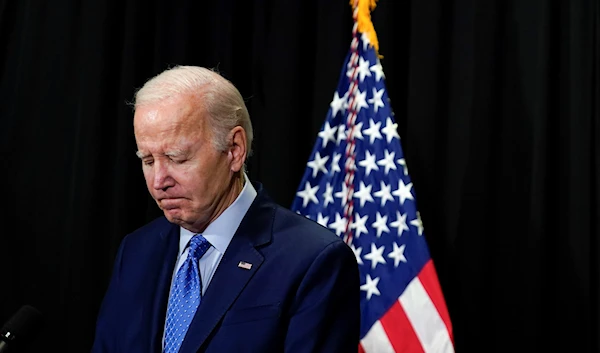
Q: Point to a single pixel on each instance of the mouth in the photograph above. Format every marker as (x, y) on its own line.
(170, 203)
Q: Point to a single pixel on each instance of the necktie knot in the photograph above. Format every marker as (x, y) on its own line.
(198, 247)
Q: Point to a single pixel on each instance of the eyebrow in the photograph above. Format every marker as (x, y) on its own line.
(173, 153)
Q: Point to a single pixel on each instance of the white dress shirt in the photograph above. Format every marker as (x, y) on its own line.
(219, 234)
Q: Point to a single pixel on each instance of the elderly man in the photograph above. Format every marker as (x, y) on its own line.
(226, 269)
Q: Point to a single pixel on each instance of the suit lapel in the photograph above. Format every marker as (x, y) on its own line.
(230, 279)
(167, 249)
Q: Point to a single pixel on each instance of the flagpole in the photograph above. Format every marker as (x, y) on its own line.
(361, 15)
(350, 123)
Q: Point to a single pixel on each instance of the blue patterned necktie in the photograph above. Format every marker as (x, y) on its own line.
(185, 295)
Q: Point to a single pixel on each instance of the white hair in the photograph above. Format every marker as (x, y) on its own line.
(220, 99)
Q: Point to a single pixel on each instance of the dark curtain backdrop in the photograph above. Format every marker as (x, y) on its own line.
(497, 107)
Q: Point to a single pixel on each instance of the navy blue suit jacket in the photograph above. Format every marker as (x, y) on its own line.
(301, 295)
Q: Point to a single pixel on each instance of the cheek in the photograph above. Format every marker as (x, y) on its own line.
(201, 184)
(189, 180)
(148, 176)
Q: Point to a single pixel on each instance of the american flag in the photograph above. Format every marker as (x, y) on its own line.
(357, 184)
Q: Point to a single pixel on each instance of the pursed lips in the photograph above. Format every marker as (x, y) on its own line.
(170, 202)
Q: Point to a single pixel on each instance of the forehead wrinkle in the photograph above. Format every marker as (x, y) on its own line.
(181, 147)
(171, 146)
(171, 128)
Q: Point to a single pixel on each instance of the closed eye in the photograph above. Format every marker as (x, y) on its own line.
(176, 158)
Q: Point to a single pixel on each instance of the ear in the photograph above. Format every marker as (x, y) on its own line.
(237, 149)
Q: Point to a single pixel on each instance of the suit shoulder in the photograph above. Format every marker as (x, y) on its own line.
(292, 227)
(298, 243)
(157, 226)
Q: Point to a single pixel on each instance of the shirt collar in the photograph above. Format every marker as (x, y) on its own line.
(220, 232)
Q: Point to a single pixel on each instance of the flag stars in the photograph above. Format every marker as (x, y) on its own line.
(380, 224)
(388, 161)
(384, 193)
(350, 68)
(341, 133)
(360, 101)
(318, 164)
(322, 220)
(398, 254)
(376, 99)
(359, 224)
(339, 226)
(402, 162)
(403, 192)
(338, 104)
(370, 287)
(328, 195)
(368, 163)
(373, 131)
(308, 194)
(390, 130)
(346, 104)
(375, 256)
(363, 69)
(364, 194)
(417, 222)
(335, 164)
(365, 40)
(356, 131)
(327, 134)
(377, 69)
(400, 223)
(342, 194)
(357, 252)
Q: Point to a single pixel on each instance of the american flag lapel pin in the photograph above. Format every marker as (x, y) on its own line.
(245, 265)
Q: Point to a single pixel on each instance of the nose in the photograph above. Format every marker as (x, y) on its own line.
(162, 178)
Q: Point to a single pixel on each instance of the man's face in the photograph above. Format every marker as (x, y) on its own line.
(184, 173)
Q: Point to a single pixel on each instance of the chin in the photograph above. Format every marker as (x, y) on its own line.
(176, 217)
(174, 220)
(173, 216)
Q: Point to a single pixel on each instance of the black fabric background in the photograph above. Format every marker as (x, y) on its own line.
(497, 106)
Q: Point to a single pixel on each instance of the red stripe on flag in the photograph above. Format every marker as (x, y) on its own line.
(360, 348)
(400, 331)
(429, 280)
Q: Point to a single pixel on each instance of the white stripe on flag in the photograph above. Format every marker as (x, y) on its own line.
(376, 340)
(425, 319)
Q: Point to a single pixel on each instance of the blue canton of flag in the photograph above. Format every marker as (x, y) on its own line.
(357, 184)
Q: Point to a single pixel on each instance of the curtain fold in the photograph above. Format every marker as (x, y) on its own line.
(496, 103)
